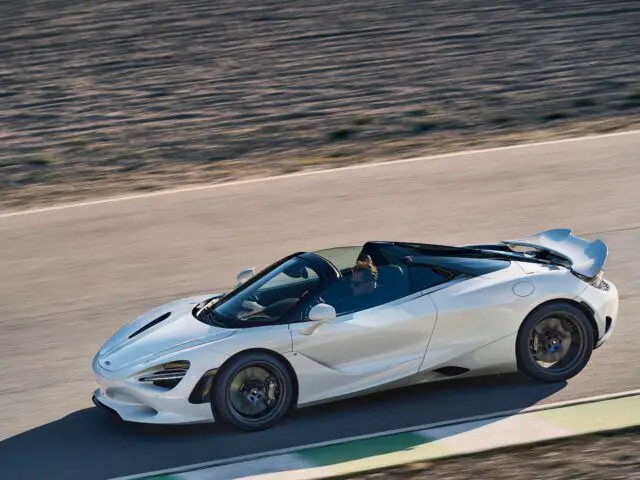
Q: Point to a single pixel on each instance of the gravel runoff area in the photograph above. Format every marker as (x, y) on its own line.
(134, 95)
(600, 456)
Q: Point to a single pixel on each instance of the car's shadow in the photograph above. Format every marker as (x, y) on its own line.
(93, 444)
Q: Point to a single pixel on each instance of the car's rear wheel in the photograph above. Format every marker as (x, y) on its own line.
(555, 342)
(252, 392)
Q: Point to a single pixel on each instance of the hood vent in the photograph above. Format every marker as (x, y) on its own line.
(150, 324)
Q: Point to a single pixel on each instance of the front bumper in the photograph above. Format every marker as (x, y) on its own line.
(132, 401)
(101, 405)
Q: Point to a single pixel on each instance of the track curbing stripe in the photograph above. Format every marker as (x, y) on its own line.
(360, 449)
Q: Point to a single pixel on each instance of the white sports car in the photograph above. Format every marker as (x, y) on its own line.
(320, 326)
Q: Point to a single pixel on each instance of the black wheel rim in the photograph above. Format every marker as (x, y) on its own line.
(557, 343)
(257, 392)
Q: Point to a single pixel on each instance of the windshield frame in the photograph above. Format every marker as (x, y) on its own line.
(325, 271)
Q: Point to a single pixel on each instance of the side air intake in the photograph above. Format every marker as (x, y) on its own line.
(451, 371)
(161, 318)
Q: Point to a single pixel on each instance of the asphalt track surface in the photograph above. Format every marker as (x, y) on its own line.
(70, 277)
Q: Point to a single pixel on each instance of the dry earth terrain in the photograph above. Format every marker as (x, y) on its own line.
(101, 98)
(592, 457)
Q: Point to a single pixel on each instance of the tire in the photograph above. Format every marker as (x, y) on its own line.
(564, 335)
(248, 377)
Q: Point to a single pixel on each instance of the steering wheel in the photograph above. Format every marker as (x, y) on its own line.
(257, 317)
(314, 301)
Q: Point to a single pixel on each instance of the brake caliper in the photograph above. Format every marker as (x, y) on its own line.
(270, 390)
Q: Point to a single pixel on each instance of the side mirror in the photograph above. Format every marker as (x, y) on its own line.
(245, 275)
(322, 313)
(319, 314)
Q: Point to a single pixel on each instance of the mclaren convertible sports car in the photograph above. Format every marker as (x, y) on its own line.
(320, 326)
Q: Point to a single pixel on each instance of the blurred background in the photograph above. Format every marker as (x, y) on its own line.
(134, 95)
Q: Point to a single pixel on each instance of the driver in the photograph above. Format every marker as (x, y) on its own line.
(356, 292)
(364, 280)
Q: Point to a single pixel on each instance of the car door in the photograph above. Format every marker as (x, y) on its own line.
(364, 348)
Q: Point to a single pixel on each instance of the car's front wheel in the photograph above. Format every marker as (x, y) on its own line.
(252, 392)
(555, 342)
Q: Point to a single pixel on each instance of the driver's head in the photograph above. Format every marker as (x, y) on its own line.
(364, 279)
(364, 260)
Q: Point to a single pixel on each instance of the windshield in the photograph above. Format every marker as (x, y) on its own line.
(266, 300)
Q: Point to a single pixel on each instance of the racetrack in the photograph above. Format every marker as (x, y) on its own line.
(70, 277)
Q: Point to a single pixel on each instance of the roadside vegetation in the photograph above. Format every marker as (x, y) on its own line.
(591, 457)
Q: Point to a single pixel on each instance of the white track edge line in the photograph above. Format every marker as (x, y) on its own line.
(293, 450)
(382, 163)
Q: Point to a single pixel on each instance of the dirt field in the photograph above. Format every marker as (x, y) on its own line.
(102, 98)
(593, 457)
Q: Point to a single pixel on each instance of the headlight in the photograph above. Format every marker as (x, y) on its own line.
(166, 375)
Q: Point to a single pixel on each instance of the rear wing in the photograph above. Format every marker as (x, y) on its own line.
(587, 257)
